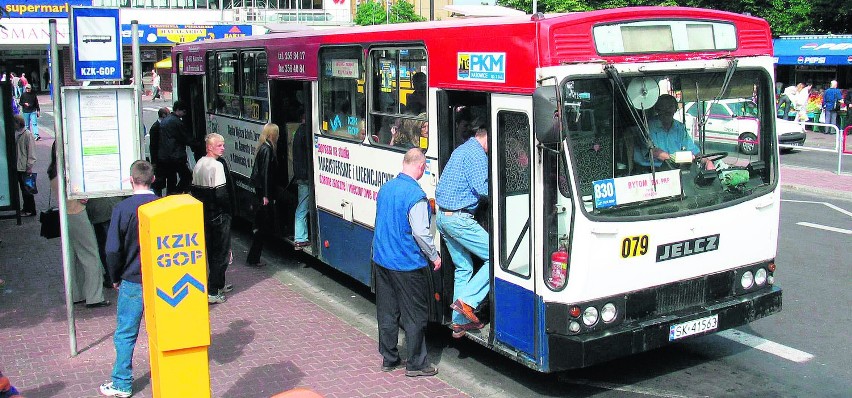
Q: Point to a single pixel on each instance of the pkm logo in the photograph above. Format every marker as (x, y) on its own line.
(482, 67)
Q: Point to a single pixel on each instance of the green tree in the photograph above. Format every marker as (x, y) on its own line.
(370, 13)
(374, 13)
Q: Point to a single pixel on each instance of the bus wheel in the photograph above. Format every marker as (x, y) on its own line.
(748, 144)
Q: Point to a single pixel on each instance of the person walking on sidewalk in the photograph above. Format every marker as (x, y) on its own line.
(211, 184)
(463, 184)
(264, 177)
(402, 248)
(86, 268)
(30, 109)
(154, 150)
(25, 159)
(830, 103)
(155, 85)
(122, 250)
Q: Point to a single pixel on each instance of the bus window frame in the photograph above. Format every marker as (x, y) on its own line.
(216, 97)
(506, 246)
(322, 96)
(399, 116)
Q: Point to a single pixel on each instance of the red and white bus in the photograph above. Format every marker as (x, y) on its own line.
(594, 256)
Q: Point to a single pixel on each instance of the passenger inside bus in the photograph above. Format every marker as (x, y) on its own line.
(415, 102)
(408, 135)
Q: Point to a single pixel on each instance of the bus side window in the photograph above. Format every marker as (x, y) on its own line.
(398, 111)
(342, 93)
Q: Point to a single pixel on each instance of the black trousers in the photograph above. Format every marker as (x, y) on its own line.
(29, 200)
(101, 230)
(218, 239)
(402, 300)
(262, 230)
(174, 176)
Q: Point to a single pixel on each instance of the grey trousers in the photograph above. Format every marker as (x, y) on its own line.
(86, 269)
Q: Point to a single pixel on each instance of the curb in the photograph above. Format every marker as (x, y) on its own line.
(822, 192)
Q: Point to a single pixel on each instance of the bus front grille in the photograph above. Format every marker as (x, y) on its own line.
(678, 296)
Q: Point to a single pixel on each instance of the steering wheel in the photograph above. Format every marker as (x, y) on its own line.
(714, 156)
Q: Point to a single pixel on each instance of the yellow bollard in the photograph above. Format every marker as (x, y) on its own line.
(174, 286)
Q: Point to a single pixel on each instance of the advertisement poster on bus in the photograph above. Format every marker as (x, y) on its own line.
(240, 141)
(349, 172)
(297, 61)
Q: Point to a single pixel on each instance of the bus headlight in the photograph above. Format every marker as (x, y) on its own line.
(747, 280)
(760, 277)
(590, 316)
(608, 312)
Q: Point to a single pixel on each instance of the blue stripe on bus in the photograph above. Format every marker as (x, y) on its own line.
(349, 245)
(514, 316)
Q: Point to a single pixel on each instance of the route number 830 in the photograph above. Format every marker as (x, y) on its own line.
(633, 246)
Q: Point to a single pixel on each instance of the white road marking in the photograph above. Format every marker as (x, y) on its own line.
(628, 388)
(844, 211)
(771, 347)
(825, 227)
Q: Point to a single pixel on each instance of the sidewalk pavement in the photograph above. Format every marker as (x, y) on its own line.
(265, 339)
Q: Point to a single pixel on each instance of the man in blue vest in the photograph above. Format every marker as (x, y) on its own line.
(402, 248)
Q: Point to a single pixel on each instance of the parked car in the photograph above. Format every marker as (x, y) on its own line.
(734, 121)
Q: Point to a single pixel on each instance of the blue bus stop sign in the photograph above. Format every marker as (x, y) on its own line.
(96, 43)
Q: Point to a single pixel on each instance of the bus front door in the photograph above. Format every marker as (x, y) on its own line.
(511, 239)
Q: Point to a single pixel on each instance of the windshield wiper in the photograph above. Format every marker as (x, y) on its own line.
(638, 119)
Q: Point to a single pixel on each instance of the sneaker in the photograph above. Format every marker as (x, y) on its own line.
(390, 368)
(460, 330)
(462, 308)
(428, 370)
(228, 287)
(110, 390)
(217, 299)
(301, 245)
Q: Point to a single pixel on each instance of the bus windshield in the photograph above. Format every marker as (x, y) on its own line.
(668, 143)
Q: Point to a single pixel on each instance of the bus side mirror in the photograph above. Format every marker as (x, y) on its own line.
(547, 119)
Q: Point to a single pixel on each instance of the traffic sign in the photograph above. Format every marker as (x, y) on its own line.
(96, 43)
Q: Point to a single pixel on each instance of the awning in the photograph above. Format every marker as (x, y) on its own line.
(813, 50)
(164, 64)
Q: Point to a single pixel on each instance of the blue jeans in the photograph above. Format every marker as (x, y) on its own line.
(464, 236)
(31, 121)
(301, 232)
(128, 317)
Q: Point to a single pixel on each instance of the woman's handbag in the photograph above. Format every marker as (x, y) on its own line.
(49, 220)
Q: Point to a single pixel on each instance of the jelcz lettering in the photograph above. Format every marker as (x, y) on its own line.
(670, 251)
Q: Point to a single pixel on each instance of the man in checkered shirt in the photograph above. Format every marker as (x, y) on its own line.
(464, 181)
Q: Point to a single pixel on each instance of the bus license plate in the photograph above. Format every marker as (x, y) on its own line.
(693, 327)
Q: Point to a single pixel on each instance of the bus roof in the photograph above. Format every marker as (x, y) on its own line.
(527, 42)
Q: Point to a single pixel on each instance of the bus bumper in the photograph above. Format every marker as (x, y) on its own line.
(633, 337)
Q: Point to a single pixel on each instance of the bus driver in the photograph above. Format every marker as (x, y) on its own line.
(669, 136)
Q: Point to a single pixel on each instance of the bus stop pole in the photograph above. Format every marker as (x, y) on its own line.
(59, 141)
(137, 78)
